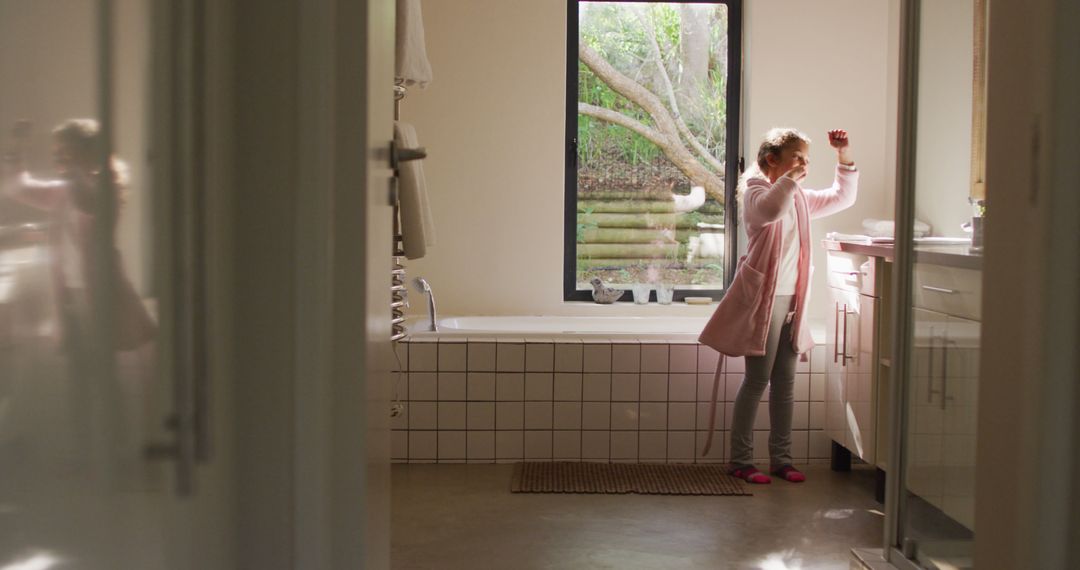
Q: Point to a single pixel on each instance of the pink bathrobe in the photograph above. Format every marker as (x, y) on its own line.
(134, 325)
(740, 324)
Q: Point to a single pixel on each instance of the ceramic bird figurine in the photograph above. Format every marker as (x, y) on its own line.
(603, 294)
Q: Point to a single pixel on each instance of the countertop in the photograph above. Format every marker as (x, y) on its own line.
(948, 255)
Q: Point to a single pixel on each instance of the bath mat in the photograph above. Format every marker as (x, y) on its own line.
(640, 478)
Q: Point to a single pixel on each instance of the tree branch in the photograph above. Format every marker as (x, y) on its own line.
(680, 124)
(623, 121)
(672, 145)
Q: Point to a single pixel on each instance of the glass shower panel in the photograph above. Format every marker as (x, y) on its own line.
(79, 393)
(936, 522)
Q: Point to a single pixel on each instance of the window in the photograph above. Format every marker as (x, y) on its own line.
(652, 144)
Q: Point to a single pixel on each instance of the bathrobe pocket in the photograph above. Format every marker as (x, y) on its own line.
(746, 287)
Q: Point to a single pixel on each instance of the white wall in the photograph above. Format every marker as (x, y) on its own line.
(493, 118)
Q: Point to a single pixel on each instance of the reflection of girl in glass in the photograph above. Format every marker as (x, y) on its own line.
(73, 201)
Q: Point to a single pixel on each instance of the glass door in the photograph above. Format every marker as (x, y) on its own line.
(100, 290)
(939, 214)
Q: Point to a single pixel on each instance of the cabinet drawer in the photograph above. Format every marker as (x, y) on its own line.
(948, 290)
(851, 272)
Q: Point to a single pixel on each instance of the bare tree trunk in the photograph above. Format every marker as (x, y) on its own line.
(695, 22)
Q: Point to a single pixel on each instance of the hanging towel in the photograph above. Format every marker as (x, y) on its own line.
(417, 229)
(411, 65)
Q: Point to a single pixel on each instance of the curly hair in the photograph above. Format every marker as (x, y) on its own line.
(83, 136)
(774, 142)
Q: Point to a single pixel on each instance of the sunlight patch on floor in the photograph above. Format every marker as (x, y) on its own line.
(786, 560)
(36, 561)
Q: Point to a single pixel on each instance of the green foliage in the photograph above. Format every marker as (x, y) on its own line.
(611, 157)
(615, 32)
(585, 225)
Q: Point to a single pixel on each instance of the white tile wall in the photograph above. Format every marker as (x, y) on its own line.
(509, 415)
(566, 445)
(423, 415)
(566, 415)
(538, 415)
(510, 444)
(568, 357)
(707, 359)
(452, 357)
(624, 445)
(538, 444)
(539, 357)
(423, 357)
(597, 357)
(451, 385)
(540, 399)
(451, 444)
(480, 445)
(652, 445)
(423, 386)
(451, 415)
(625, 387)
(680, 445)
(423, 444)
(595, 415)
(681, 415)
(595, 445)
(624, 415)
(654, 358)
(510, 357)
(654, 387)
(480, 386)
(596, 388)
(626, 357)
(682, 387)
(509, 386)
(481, 415)
(653, 416)
(539, 386)
(684, 358)
(567, 386)
(481, 357)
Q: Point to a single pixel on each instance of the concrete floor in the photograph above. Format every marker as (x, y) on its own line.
(464, 516)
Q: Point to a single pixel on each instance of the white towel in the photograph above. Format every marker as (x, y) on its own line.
(417, 229)
(886, 228)
(411, 64)
(849, 238)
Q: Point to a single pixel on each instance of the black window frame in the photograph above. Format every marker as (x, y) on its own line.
(733, 164)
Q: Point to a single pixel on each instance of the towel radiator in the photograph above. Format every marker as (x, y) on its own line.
(398, 290)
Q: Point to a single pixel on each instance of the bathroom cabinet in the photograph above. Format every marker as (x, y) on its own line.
(857, 292)
(944, 390)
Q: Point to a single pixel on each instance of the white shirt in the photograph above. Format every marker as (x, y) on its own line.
(787, 273)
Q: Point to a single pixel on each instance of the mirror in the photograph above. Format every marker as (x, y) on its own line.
(950, 132)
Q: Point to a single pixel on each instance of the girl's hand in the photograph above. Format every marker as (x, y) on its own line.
(838, 139)
(797, 173)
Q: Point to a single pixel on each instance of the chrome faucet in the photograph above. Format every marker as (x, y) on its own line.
(422, 285)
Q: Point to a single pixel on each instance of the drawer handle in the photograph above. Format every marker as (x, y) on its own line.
(940, 290)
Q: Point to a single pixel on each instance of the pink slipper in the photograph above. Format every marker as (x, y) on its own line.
(789, 473)
(750, 474)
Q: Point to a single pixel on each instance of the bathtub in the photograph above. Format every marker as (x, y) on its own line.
(649, 328)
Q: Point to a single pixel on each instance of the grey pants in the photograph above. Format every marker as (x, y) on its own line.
(777, 370)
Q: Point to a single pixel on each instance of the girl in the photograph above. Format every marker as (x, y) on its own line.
(761, 316)
(73, 201)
